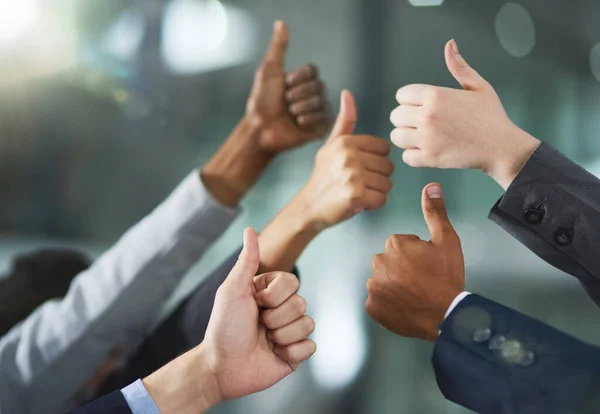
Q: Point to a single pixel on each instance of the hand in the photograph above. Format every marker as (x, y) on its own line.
(449, 128)
(351, 173)
(290, 110)
(415, 281)
(257, 333)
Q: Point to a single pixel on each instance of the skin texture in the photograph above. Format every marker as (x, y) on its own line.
(257, 335)
(258, 332)
(291, 109)
(351, 174)
(284, 111)
(415, 281)
(452, 128)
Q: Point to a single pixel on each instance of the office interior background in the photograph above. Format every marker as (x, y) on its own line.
(106, 105)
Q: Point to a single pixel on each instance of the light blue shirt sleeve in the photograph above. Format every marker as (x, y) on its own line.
(138, 399)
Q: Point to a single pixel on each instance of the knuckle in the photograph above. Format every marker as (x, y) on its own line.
(370, 307)
(376, 262)
(312, 69)
(291, 281)
(435, 95)
(410, 160)
(370, 286)
(394, 115)
(319, 86)
(267, 296)
(276, 336)
(390, 167)
(309, 325)
(267, 318)
(391, 242)
(387, 147)
(430, 115)
(399, 93)
(300, 305)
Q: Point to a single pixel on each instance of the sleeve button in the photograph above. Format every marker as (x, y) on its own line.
(481, 335)
(563, 236)
(534, 215)
(496, 342)
(527, 359)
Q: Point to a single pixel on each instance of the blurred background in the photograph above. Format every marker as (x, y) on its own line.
(106, 105)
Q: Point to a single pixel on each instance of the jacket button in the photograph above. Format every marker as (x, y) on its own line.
(481, 335)
(563, 236)
(534, 215)
(512, 351)
(527, 359)
(496, 342)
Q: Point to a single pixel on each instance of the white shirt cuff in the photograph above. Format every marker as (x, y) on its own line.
(455, 302)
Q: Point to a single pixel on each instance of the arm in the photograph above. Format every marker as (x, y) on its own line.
(551, 204)
(103, 309)
(487, 357)
(69, 339)
(257, 336)
(492, 359)
(552, 207)
(345, 167)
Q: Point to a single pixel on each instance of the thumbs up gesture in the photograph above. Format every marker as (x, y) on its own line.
(257, 333)
(351, 173)
(289, 109)
(451, 128)
(415, 281)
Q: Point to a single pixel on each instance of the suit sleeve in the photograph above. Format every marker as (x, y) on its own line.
(553, 208)
(181, 331)
(45, 360)
(494, 360)
(113, 403)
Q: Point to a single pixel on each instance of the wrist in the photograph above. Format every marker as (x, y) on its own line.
(447, 304)
(184, 386)
(301, 208)
(506, 165)
(238, 163)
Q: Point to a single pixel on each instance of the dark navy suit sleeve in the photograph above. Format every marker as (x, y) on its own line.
(181, 331)
(113, 403)
(552, 207)
(494, 360)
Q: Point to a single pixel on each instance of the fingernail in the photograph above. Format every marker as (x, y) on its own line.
(454, 46)
(434, 192)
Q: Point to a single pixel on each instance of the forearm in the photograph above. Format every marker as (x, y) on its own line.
(552, 207)
(236, 166)
(284, 239)
(184, 386)
(89, 322)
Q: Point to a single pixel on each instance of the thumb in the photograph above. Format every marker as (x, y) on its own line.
(244, 270)
(434, 211)
(346, 119)
(279, 42)
(460, 69)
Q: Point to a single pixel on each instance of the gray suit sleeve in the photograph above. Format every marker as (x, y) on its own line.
(113, 304)
(553, 208)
